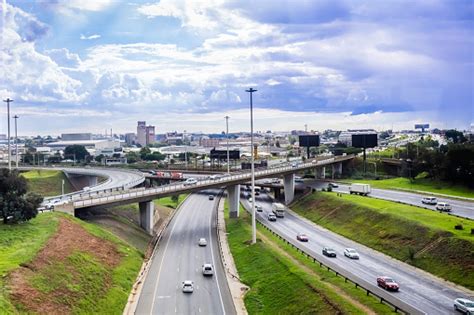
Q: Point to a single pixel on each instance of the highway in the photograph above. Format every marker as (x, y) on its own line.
(179, 258)
(417, 288)
(460, 208)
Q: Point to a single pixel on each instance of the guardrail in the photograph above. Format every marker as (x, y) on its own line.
(96, 198)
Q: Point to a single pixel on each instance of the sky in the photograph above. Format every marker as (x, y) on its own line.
(92, 65)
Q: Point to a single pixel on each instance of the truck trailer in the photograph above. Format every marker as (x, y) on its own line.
(359, 189)
(278, 209)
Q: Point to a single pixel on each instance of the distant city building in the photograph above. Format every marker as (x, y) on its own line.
(3, 137)
(76, 136)
(174, 138)
(145, 134)
(130, 138)
(209, 142)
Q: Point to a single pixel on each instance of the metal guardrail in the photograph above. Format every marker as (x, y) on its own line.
(97, 198)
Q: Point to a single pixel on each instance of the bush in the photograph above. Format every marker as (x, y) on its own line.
(458, 227)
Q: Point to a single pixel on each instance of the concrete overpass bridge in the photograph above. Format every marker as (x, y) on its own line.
(145, 196)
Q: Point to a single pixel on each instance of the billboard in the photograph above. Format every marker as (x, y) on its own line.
(367, 140)
(222, 154)
(309, 140)
(422, 126)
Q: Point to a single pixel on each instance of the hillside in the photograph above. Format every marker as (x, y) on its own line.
(56, 264)
(47, 182)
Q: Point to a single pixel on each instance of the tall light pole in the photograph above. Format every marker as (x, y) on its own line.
(8, 101)
(227, 136)
(254, 224)
(16, 140)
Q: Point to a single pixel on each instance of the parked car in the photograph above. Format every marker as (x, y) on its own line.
(429, 200)
(272, 217)
(443, 206)
(190, 181)
(258, 207)
(211, 197)
(207, 270)
(387, 283)
(302, 237)
(202, 241)
(188, 286)
(351, 253)
(329, 252)
(464, 305)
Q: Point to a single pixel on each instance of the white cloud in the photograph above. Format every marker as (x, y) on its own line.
(87, 5)
(94, 36)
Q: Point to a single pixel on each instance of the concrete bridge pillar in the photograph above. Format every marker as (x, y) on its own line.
(277, 193)
(234, 200)
(92, 181)
(289, 186)
(336, 169)
(147, 211)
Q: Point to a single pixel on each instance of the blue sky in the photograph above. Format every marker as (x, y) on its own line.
(88, 65)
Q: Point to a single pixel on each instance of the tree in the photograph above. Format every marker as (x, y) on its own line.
(76, 152)
(16, 203)
(144, 152)
(277, 144)
(99, 158)
(455, 136)
(132, 157)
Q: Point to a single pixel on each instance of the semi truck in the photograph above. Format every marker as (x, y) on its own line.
(359, 189)
(278, 209)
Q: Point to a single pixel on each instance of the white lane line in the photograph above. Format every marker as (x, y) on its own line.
(161, 264)
(214, 263)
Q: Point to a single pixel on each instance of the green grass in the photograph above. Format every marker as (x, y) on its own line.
(19, 244)
(398, 230)
(169, 202)
(278, 285)
(47, 182)
(421, 184)
(80, 275)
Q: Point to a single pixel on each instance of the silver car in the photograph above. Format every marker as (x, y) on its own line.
(351, 253)
(464, 305)
(188, 286)
(207, 270)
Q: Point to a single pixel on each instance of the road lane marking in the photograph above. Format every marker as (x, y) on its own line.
(163, 296)
(214, 263)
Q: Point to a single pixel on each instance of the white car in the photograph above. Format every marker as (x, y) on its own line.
(351, 253)
(429, 200)
(464, 305)
(443, 206)
(190, 181)
(202, 241)
(207, 270)
(188, 286)
(258, 207)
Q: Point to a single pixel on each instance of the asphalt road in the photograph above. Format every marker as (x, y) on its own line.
(460, 208)
(179, 258)
(417, 288)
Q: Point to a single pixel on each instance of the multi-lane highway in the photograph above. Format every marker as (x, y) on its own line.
(417, 288)
(460, 208)
(179, 258)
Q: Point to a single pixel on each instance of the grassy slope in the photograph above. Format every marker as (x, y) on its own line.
(90, 273)
(47, 182)
(422, 184)
(281, 286)
(398, 230)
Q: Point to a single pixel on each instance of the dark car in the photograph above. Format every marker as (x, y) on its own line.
(329, 252)
(302, 237)
(387, 283)
(211, 197)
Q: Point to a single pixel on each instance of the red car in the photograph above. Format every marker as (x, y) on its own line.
(302, 237)
(387, 283)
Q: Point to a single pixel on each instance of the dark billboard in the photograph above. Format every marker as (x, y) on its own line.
(309, 140)
(422, 126)
(222, 154)
(364, 140)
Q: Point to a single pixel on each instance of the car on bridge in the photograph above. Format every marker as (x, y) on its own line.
(387, 283)
(190, 181)
(188, 286)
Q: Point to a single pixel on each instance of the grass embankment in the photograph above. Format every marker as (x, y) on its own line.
(421, 184)
(282, 281)
(422, 238)
(47, 182)
(56, 263)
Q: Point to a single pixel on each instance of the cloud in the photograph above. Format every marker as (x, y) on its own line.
(94, 36)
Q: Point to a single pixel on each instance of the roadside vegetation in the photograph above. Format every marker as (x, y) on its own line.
(281, 281)
(47, 182)
(426, 239)
(58, 264)
(420, 184)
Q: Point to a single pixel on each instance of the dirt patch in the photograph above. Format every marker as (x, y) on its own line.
(69, 239)
(339, 291)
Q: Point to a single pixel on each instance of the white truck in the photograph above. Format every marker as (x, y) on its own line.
(359, 189)
(278, 209)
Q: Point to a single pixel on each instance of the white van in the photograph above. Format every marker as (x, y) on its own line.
(443, 206)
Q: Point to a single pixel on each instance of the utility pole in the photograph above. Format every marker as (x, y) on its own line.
(227, 136)
(305, 128)
(254, 224)
(8, 101)
(16, 140)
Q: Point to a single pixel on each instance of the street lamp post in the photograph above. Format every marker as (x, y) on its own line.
(254, 224)
(227, 136)
(8, 101)
(16, 140)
